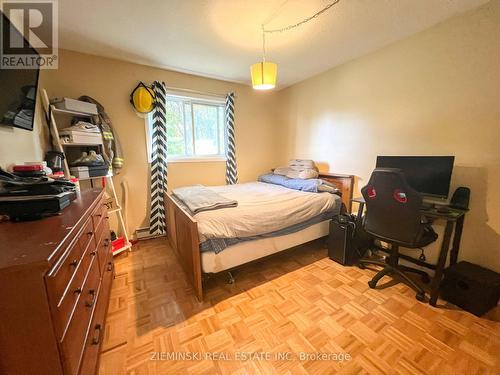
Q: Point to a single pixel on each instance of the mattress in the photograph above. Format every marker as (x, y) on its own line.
(247, 251)
(219, 244)
(262, 208)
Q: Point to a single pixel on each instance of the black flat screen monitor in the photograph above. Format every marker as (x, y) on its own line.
(429, 175)
(17, 87)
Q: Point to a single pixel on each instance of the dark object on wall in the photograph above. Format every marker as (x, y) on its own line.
(471, 287)
(460, 198)
(17, 104)
(341, 240)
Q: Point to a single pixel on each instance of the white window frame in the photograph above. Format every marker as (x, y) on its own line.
(194, 99)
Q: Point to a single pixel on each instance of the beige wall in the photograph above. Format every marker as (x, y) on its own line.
(436, 93)
(111, 81)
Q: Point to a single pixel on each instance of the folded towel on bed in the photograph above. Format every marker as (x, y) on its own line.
(199, 198)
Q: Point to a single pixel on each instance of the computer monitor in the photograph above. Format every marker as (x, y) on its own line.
(429, 175)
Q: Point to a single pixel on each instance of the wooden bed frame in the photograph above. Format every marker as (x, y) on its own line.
(182, 229)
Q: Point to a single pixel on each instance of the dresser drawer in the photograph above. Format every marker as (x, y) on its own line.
(96, 332)
(65, 307)
(104, 247)
(60, 276)
(86, 234)
(103, 228)
(100, 213)
(73, 342)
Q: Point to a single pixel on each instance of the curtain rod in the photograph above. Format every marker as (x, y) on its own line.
(197, 92)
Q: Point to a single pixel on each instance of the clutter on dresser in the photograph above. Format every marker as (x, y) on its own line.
(55, 160)
(35, 170)
(33, 197)
(473, 288)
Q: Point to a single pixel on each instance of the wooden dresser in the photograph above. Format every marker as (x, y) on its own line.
(55, 279)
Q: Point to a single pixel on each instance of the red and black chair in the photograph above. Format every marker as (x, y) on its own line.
(393, 216)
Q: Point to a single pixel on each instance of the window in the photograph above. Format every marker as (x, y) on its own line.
(195, 129)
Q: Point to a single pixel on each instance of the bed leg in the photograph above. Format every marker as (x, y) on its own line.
(230, 278)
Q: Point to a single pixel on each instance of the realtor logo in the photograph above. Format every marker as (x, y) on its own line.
(29, 37)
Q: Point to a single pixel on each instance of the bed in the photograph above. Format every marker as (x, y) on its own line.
(290, 218)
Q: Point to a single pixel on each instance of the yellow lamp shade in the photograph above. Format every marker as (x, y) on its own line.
(143, 99)
(264, 75)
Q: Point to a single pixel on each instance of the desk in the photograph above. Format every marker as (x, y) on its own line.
(454, 220)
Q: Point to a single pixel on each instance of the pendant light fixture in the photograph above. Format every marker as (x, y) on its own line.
(264, 72)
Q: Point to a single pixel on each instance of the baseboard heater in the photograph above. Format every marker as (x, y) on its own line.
(143, 234)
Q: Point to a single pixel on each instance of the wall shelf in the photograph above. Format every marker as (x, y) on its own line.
(81, 144)
(68, 112)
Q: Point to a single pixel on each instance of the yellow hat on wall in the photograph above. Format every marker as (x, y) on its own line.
(142, 98)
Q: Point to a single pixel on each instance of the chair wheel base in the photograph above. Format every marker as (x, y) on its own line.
(361, 266)
(420, 296)
(371, 284)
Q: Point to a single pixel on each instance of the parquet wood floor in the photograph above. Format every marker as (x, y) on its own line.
(298, 302)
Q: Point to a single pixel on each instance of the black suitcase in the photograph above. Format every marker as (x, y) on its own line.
(471, 287)
(341, 240)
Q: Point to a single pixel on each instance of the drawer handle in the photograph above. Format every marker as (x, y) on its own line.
(110, 266)
(74, 263)
(77, 291)
(93, 253)
(106, 242)
(89, 233)
(99, 215)
(92, 300)
(96, 338)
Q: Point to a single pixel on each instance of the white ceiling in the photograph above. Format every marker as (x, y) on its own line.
(222, 38)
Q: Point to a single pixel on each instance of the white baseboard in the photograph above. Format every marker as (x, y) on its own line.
(143, 234)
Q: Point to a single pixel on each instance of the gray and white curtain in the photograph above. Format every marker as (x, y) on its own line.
(231, 171)
(157, 222)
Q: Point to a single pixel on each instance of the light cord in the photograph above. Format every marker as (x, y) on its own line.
(263, 44)
(300, 23)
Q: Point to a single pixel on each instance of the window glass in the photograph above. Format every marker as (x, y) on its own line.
(195, 128)
(206, 137)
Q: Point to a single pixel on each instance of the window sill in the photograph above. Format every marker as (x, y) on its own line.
(196, 159)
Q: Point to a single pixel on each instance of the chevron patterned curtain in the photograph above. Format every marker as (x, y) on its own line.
(231, 171)
(157, 222)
